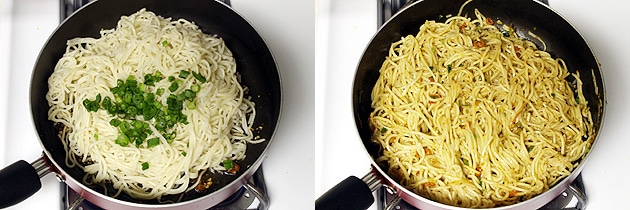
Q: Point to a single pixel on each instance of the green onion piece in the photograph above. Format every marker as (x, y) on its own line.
(530, 148)
(142, 87)
(465, 161)
(383, 130)
(191, 105)
(131, 111)
(96, 136)
(195, 88)
(114, 122)
(136, 124)
(131, 81)
(124, 126)
(184, 153)
(171, 78)
(199, 77)
(122, 140)
(228, 164)
(92, 106)
(107, 103)
(127, 97)
(148, 79)
(145, 166)
(118, 98)
(152, 142)
(139, 141)
(87, 104)
(189, 94)
(137, 98)
(184, 74)
(159, 91)
(164, 43)
(173, 87)
(448, 68)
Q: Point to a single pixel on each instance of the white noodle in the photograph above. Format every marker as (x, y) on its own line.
(219, 128)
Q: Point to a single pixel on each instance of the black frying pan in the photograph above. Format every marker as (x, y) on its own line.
(561, 39)
(254, 61)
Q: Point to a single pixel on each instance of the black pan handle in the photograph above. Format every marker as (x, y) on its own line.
(20, 180)
(350, 194)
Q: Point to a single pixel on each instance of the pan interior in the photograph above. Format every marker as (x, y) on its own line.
(254, 63)
(560, 37)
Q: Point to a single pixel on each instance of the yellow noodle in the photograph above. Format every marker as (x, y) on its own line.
(469, 117)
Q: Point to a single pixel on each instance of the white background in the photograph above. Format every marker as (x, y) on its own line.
(345, 27)
(286, 25)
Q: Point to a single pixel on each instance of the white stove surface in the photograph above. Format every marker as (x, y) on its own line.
(344, 28)
(286, 25)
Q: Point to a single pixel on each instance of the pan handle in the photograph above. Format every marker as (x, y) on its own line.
(20, 180)
(352, 193)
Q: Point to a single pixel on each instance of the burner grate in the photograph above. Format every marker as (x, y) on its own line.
(571, 198)
(252, 196)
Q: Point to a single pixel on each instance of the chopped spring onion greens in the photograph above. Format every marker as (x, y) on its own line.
(228, 164)
(145, 166)
(174, 86)
(135, 107)
(199, 77)
(164, 43)
(195, 88)
(465, 161)
(152, 142)
(191, 105)
(92, 106)
(159, 91)
(184, 74)
(184, 153)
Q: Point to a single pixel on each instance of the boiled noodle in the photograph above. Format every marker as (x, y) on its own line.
(468, 114)
(218, 128)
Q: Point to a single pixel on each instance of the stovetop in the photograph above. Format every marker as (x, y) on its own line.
(386, 199)
(249, 197)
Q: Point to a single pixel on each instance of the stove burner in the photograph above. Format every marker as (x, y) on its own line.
(249, 197)
(571, 198)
